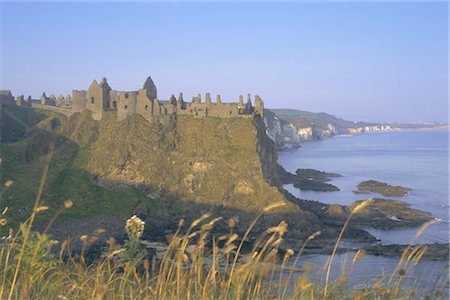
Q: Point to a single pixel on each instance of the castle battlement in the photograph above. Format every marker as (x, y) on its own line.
(100, 98)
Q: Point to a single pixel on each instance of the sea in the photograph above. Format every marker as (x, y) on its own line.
(415, 159)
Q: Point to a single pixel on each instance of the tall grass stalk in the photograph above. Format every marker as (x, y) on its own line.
(359, 207)
(196, 264)
(33, 215)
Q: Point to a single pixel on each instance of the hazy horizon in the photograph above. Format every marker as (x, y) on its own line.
(359, 61)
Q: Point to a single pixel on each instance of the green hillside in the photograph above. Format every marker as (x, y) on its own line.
(302, 119)
(26, 134)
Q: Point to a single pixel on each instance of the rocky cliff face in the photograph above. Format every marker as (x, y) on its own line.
(314, 133)
(314, 126)
(213, 161)
(222, 165)
(283, 133)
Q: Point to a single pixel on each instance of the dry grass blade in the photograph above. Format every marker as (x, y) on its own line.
(33, 214)
(274, 205)
(199, 220)
(408, 247)
(362, 205)
(358, 208)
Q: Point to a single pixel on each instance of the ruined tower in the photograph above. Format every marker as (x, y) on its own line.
(43, 99)
(259, 106)
(96, 99)
(150, 87)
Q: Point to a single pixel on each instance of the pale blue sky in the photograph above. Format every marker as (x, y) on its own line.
(372, 61)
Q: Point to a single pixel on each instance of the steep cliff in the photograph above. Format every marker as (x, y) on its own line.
(218, 162)
(283, 133)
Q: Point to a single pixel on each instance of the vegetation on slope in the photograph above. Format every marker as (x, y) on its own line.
(195, 265)
(23, 150)
(303, 119)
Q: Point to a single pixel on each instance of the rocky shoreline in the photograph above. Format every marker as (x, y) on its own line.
(382, 213)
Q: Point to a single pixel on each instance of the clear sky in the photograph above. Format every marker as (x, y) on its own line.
(361, 61)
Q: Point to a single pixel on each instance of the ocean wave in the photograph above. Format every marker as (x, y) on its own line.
(441, 220)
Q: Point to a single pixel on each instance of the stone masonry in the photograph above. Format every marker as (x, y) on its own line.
(100, 98)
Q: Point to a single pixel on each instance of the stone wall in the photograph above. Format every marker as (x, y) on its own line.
(79, 101)
(126, 105)
(6, 97)
(100, 97)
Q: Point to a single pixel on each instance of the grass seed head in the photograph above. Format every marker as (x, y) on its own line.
(280, 229)
(68, 204)
(206, 227)
(197, 221)
(362, 205)
(274, 205)
(231, 223)
(9, 183)
(232, 238)
(41, 209)
(229, 248)
(289, 252)
(359, 255)
(99, 231)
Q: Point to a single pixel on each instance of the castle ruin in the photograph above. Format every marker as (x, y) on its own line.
(100, 97)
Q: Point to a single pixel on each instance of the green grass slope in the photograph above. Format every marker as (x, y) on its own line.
(24, 146)
(302, 119)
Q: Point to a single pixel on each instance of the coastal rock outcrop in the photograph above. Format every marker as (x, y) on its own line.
(309, 179)
(388, 214)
